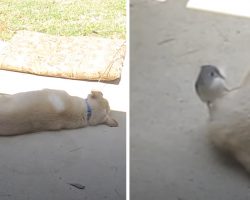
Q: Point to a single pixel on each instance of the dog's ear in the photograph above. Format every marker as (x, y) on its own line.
(96, 94)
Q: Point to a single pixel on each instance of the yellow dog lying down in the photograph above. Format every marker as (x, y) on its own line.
(47, 110)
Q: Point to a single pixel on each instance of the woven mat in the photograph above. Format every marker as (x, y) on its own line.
(74, 57)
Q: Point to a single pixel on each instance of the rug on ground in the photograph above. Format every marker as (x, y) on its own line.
(73, 57)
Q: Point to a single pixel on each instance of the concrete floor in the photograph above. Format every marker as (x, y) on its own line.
(171, 157)
(43, 165)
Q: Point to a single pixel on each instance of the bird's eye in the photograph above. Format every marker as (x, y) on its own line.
(212, 73)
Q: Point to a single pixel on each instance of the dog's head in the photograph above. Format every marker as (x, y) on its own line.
(97, 96)
(101, 109)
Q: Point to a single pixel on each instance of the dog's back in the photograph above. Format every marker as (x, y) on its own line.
(37, 110)
(229, 127)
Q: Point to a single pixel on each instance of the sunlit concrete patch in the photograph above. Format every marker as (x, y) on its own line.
(14, 82)
(117, 95)
(232, 7)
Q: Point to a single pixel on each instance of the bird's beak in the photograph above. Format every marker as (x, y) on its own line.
(220, 75)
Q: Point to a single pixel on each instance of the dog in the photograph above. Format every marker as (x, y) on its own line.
(51, 110)
(229, 124)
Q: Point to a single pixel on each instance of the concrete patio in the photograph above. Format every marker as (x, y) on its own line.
(43, 165)
(171, 157)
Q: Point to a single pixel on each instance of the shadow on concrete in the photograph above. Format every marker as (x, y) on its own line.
(46, 164)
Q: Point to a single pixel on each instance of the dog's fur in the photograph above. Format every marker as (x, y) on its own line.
(49, 110)
(229, 125)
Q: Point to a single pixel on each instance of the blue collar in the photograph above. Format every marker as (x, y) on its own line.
(89, 110)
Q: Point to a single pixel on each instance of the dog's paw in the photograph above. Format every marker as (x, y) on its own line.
(111, 122)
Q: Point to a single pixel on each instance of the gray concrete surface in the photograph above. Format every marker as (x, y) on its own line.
(171, 158)
(42, 166)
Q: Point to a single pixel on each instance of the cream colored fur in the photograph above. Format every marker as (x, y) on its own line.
(229, 125)
(47, 110)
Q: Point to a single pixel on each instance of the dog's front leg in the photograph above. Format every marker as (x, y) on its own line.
(110, 121)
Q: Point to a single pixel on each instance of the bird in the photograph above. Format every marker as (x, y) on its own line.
(210, 84)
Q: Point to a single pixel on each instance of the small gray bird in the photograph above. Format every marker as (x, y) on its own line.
(210, 84)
